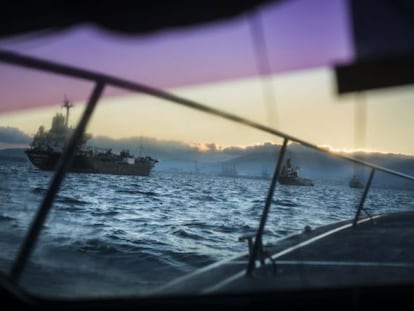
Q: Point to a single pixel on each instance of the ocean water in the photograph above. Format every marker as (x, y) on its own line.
(125, 235)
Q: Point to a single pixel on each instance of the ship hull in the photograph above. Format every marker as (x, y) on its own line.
(89, 164)
(295, 181)
(356, 185)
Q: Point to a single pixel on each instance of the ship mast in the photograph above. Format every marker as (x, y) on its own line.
(140, 147)
(67, 105)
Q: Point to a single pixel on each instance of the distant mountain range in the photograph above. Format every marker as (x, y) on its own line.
(254, 161)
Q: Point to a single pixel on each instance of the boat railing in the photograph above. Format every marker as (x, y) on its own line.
(101, 81)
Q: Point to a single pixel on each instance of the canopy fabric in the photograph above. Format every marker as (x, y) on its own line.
(122, 16)
(294, 35)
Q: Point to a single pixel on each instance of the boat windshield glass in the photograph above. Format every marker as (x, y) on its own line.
(185, 162)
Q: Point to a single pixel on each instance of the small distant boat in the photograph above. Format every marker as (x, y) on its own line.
(355, 182)
(290, 176)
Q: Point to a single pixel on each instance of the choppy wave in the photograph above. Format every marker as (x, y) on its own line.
(286, 203)
(39, 190)
(59, 198)
(103, 213)
(134, 192)
(97, 246)
(187, 235)
(70, 200)
(6, 218)
(150, 230)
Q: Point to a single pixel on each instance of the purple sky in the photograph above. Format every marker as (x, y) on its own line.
(299, 34)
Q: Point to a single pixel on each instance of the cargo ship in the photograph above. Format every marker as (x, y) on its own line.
(47, 147)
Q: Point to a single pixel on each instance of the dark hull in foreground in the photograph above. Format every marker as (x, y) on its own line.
(92, 164)
(331, 256)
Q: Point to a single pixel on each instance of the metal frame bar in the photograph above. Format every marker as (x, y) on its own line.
(61, 168)
(364, 196)
(258, 240)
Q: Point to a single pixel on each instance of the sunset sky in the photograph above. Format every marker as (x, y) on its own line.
(213, 64)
